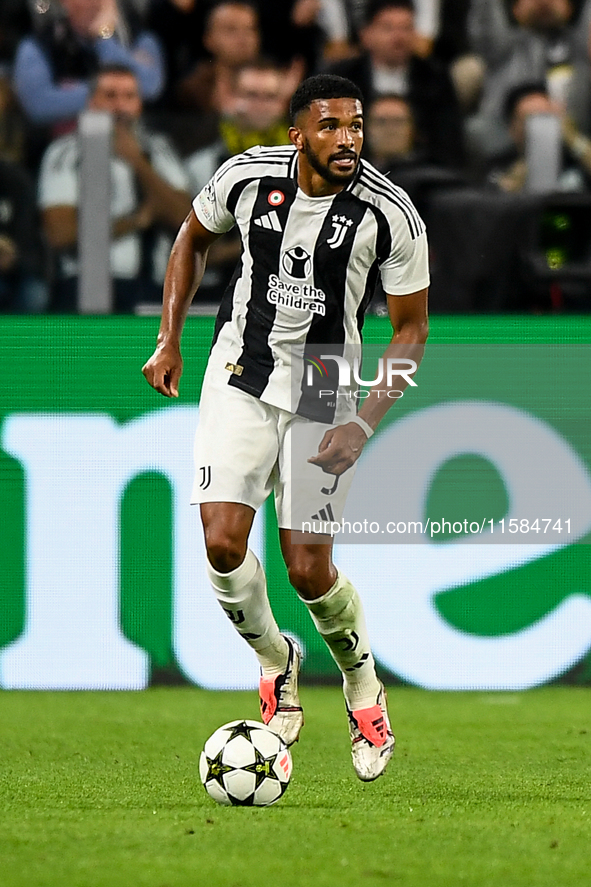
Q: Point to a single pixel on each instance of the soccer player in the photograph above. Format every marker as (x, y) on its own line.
(311, 215)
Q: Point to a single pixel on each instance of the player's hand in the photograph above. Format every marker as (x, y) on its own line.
(164, 369)
(340, 448)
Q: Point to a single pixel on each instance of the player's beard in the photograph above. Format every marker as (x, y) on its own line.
(325, 171)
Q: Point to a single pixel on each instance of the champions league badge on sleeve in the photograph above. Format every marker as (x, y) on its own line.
(207, 200)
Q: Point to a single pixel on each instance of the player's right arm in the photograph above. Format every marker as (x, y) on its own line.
(183, 275)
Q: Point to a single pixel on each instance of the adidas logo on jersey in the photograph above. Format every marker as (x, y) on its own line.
(270, 221)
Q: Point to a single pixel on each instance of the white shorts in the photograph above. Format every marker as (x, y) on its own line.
(245, 449)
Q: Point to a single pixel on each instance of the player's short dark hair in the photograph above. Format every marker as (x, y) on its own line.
(514, 96)
(322, 86)
(114, 68)
(374, 7)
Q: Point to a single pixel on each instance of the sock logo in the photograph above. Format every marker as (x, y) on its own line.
(359, 664)
(235, 616)
(350, 642)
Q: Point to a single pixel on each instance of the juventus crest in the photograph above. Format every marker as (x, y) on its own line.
(340, 224)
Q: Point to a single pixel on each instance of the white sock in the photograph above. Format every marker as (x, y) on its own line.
(242, 595)
(338, 616)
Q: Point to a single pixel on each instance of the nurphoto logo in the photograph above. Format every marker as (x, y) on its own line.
(388, 369)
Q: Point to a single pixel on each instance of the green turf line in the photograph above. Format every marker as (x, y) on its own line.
(485, 790)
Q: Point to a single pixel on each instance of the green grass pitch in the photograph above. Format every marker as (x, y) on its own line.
(102, 790)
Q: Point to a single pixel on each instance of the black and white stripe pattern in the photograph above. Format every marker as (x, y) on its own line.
(308, 267)
(382, 187)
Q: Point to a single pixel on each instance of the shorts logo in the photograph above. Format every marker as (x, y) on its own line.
(341, 224)
(328, 491)
(297, 263)
(324, 514)
(205, 474)
(276, 198)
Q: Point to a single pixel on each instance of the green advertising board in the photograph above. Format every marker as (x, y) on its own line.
(101, 561)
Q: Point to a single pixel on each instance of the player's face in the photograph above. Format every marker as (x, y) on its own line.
(330, 136)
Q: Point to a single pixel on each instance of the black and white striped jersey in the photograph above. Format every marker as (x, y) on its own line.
(308, 267)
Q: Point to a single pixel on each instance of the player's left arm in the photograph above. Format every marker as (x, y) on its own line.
(410, 323)
(341, 446)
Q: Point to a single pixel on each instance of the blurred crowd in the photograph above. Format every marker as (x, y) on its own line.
(449, 86)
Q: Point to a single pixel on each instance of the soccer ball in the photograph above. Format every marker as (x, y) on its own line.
(245, 764)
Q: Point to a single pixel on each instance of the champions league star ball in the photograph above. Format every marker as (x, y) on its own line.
(245, 764)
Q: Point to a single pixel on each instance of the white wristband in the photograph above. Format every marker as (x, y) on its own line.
(365, 426)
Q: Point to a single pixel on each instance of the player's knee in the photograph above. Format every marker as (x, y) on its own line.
(224, 552)
(306, 577)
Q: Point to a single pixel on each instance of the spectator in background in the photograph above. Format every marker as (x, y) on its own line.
(15, 23)
(23, 287)
(391, 146)
(390, 65)
(508, 171)
(179, 25)
(301, 29)
(53, 68)
(451, 35)
(430, 19)
(441, 31)
(308, 31)
(258, 118)
(232, 37)
(12, 130)
(149, 197)
(390, 135)
(333, 20)
(542, 44)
